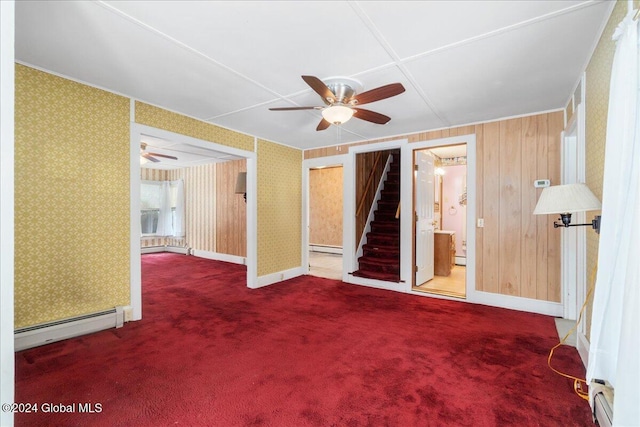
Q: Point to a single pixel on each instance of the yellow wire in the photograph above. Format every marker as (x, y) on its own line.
(577, 382)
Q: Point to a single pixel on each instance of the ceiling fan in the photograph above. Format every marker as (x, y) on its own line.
(342, 100)
(144, 154)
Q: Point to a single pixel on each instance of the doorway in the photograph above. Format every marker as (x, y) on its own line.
(325, 221)
(440, 199)
(323, 216)
(190, 146)
(453, 243)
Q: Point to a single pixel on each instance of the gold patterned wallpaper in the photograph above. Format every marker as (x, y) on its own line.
(71, 198)
(325, 206)
(72, 213)
(598, 78)
(279, 207)
(162, 119)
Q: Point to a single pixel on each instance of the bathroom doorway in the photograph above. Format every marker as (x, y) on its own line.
(440, 200)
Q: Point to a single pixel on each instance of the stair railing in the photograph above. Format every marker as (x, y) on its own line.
(373, 207)
(369, 181)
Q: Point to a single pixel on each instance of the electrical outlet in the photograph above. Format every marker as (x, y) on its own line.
(480, 222)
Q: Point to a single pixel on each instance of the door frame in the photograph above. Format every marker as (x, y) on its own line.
(349, 247)
(406, 214)
(573, 240)
(307, 165)
(136, 132)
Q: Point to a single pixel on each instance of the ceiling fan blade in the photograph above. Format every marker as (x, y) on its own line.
(370, 116)
(295, 108)
(149, 157)
(163, 155)
(323, 125)
(320, 88)
(378, 94)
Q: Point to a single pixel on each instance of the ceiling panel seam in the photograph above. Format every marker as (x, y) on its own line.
(368, 22)
(184, 46)
(499, 31)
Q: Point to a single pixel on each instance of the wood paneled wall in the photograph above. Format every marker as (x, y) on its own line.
(517, 253)
(231, 210)
(520, 252)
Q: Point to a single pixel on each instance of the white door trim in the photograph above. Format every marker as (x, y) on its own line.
(406, 214)
(350, 245)
(7, 179)
(573, 239)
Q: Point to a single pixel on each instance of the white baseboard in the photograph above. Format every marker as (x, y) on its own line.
(461, 260)
(46, 333)
(234, 259)
(582, 345)
(516, 303)
(279, 276)
(326, 249)
(177, 250)
(152, 249)
(158, 249)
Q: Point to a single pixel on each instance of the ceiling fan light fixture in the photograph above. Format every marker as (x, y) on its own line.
(337, 114)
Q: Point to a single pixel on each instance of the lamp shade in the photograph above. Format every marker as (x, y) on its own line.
(241, 183)
(568, 198)
(337, 114)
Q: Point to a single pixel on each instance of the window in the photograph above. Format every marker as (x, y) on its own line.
(161, 208)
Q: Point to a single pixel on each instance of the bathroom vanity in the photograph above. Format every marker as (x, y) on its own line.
(444, 245)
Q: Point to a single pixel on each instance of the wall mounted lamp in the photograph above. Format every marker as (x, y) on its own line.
(241, 184)
(567, 199)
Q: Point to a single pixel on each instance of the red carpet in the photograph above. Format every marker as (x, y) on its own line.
(306, 352)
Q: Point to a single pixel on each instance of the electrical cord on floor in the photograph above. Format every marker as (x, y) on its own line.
(579, 384)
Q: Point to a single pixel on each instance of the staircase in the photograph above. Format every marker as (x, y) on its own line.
(381, 252)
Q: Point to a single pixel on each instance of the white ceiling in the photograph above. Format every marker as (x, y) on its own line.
(188, 155)
(228, 62)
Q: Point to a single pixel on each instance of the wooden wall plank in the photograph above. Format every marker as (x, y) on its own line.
(491, 207)
(516, 253)
(231, 223)
(529, 232)
(479, 131)
(510, 206)
(556, 125)
(542, 167)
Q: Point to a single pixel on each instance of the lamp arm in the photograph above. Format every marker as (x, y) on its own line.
(566, 222)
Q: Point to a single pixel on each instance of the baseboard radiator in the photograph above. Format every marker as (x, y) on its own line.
(601, 399)
(157, 249)
(46, 333)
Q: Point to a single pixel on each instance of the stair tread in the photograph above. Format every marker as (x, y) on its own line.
(387, 277)
(374, 260)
